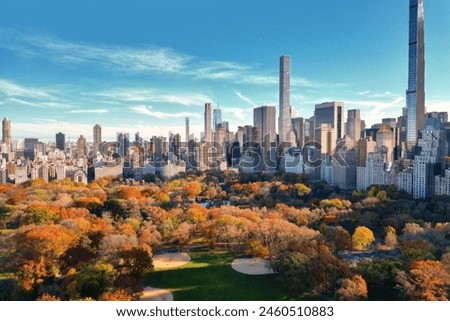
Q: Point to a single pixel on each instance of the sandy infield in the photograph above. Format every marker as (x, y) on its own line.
(170, 260)
(154, 294)
(252, 266)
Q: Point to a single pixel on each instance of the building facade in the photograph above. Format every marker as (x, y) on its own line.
(415, 94)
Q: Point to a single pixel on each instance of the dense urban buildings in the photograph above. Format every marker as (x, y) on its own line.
(410, 151)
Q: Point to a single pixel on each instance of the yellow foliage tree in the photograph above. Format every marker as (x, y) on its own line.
(362, 238)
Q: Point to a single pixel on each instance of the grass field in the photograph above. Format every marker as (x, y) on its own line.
(209, 277)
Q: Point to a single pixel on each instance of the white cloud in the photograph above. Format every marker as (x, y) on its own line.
(11, 89)
(246, 99)
(116, 58)
(89, 111)
(142, 60)
(238, 113)
(148, 111)
(438, 105)
(138, 95)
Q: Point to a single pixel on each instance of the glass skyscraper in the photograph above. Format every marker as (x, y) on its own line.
(415, 94)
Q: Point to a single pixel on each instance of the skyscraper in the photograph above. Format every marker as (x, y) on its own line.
(264, 119)
(353, 129)
(60, 141)
(81, 147)
(415, 94)
(186, 120)
(6, 133)
(284, 118)
(208, 130)
(298, 125)
(217, 117)
(330, 113)
(97, 137)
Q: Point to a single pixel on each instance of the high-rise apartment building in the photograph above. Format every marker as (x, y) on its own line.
(298, 126)
(330, 113)
(353, 127)
(186, 124)
(6, 133)
(264, 119)
(217, 117)
(60, 141)
(284, 117)
(81, 147)
(208, 130)
(97, 137)
(415, 94)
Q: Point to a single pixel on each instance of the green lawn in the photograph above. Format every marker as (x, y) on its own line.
(209, 277)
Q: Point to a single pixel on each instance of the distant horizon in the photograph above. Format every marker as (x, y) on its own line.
(142, 66)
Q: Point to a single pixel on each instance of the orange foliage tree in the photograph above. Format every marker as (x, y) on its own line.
(425, 280)
(352, 289)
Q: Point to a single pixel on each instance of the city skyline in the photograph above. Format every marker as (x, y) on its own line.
(68, 80)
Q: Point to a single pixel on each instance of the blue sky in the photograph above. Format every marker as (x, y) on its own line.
(145, 65)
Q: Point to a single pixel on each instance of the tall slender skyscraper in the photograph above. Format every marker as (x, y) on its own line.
(97, 137)
(186, 122)
(284, 118)
(208, 129)
(415, 94)
(6, 133)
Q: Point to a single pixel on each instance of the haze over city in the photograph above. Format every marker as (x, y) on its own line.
(148, 66)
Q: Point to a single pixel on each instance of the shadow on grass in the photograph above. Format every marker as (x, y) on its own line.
(209, 277)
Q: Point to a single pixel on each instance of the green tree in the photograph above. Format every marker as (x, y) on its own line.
(296, 271)
(91, 282)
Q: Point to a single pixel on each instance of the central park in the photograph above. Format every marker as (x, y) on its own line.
(220, 236)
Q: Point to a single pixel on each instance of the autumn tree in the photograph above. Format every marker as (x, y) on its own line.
(196, 213)
(40, 214)
(134, 262)
(302, 190)
(5, 215)
(127, 192)
(92, 203)
(112, 244)
(417, 250)
(50, 241)
(114, 206)
(390, 238)
(32, 273)
(115, 295)
(362, 238)
(193, 189)
(352, 289)
(48, 297)
(339, 239)
(425, 281)
(183, 233)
